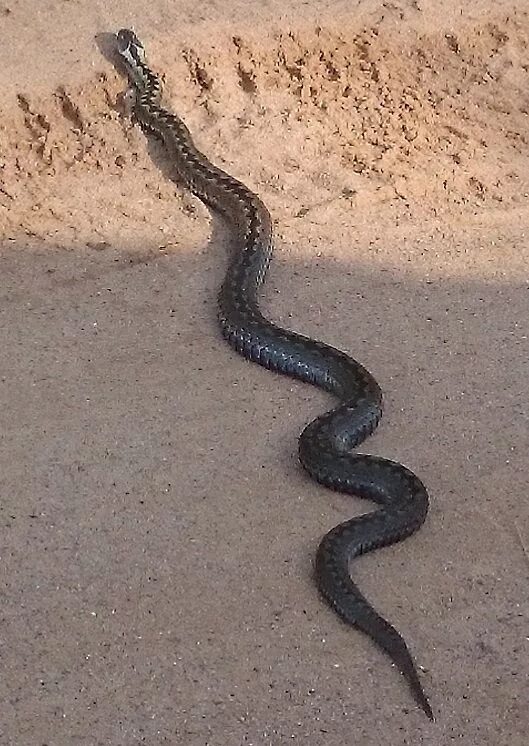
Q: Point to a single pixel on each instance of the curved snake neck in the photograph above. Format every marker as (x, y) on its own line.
(325, 444)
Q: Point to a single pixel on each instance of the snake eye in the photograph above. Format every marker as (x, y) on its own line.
(123, 39)
(128, 39)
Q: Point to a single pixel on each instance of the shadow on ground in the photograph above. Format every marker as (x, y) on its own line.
(158, 532)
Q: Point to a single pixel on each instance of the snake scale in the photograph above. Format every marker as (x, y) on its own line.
(326, 444)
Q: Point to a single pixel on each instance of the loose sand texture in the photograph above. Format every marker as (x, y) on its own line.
(157, 534)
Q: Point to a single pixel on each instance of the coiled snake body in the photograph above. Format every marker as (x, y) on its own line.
(326, 443)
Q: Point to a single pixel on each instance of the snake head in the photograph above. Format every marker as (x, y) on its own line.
(130, 47)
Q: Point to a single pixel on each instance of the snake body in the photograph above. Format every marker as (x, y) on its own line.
(325, 445)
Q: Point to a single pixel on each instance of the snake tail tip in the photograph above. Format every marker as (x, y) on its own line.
(426, 707)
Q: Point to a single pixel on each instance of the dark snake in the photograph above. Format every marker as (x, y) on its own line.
(325, 445)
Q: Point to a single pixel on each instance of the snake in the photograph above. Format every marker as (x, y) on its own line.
(327, 444)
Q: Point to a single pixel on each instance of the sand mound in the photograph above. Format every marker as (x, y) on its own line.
(434, 120)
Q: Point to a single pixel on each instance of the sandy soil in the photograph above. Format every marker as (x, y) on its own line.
(157, 532)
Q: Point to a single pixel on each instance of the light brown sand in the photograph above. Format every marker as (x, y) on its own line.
(157, 532)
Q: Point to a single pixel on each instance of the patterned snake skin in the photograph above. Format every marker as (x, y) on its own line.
(326, 443)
